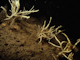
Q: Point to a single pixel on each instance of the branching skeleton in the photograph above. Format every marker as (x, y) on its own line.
(15, 5)
(44, 32)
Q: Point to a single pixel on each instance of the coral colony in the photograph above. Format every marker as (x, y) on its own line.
(43, 31)
(15, 5)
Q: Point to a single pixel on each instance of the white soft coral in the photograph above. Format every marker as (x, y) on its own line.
(44, 32)
(68, 48)
(15, 5)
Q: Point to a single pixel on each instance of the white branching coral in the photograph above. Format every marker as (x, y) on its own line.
(15, 5)
(49, 33)
(67, 49)
(45, 32)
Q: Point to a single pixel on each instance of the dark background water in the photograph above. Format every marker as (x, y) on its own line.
(63, 12)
